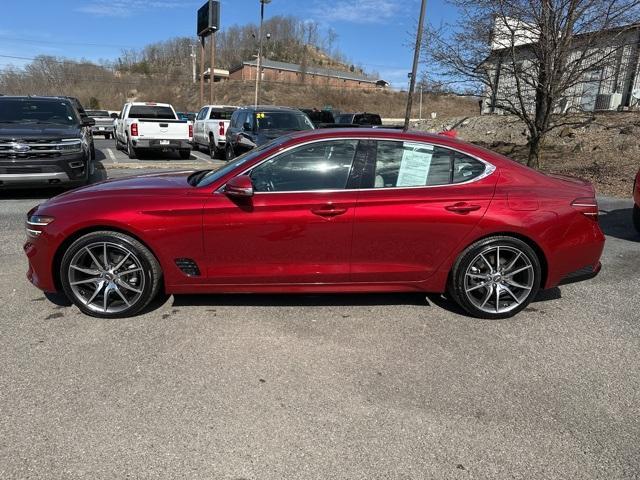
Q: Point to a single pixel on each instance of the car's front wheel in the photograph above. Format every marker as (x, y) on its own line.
(496, 277)
(109, 274)
(636, 217)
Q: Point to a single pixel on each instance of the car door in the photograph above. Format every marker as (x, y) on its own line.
(297, 227)
(199, 126)
(121, 125)
(419, 203)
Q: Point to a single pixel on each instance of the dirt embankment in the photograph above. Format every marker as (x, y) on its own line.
(604, 149)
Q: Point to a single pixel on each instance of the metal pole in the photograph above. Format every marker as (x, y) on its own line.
(201, 71)
(420, 102)
(259, 62)
(193, 62)
(213, 63)
(414, 71)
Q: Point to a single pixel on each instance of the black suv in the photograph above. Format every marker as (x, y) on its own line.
(251, 127)
(43, 140)
(319, 117)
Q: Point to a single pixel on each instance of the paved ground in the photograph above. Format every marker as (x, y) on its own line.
(354, 386)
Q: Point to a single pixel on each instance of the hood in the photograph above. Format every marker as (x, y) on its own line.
(38, 132)
(168, 183)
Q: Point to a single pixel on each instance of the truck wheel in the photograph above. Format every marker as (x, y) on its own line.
(213, 150)
(115, 138)
(185, 154)
(636, 217)
(131, 151)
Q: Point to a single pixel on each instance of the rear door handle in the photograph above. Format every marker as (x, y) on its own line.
(328, 211)
(463, 207)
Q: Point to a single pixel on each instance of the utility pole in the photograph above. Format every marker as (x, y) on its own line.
(259, 62)
(421, 87)
(193, 61)
(414, 70)
(202, 71)
(212, 74)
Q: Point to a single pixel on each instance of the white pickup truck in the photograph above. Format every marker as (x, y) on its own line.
(210, 128)
(152, 126)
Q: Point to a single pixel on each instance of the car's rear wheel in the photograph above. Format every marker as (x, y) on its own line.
(131, 151)
(636, 217)
(496, 277)
(109, 274)
(213, 149)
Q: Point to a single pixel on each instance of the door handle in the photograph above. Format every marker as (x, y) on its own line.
(328, 211)
(463, 207)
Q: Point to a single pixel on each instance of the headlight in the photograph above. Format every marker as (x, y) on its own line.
(35, 223)
(70, 146)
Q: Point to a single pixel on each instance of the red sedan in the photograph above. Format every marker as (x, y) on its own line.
(636, 198)
(354, 210)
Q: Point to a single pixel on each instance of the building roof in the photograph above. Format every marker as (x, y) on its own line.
(310, 69)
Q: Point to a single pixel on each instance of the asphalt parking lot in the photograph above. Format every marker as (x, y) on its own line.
(335, 386)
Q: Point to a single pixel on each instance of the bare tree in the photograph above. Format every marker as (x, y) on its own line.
(533, 58)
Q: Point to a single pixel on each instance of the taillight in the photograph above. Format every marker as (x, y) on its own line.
(588, 206)
(221, 131)
(190, 130)
(134, 129)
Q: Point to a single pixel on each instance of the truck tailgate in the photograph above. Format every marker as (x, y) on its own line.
(163, 129)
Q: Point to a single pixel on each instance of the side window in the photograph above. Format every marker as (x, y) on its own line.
(410, 164)
(319, 166)
(201, 114)
(236, 119)
(249, 119)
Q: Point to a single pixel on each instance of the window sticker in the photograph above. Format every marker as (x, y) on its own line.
(260, 115)
(414, 168)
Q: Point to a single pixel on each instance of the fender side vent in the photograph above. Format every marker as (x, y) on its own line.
(188, 267)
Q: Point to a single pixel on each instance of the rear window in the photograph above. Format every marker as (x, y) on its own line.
(344, 118)
(221, 114)
(151, 111)
(57, 112)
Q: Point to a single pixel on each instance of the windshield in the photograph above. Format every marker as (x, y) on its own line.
(214, 175)
(97, 113)
(151, 111)
(59, 112)
(283, 121)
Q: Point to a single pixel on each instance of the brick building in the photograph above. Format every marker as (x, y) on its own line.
(313, 75)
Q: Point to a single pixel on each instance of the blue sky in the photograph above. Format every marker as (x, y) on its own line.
(373, 33)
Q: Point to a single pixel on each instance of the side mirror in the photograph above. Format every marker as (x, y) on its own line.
(88, 122)
(246, 127)
(239, 187)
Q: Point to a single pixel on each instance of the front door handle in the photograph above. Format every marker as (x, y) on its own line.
(328, 211)
(463, 207)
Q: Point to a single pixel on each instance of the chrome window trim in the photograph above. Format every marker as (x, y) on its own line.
(489, 167)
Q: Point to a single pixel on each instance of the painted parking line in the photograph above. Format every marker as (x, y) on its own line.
(201, 156)
(111, 155)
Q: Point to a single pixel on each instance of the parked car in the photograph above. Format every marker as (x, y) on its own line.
(104, 123)
(152, 126)
(43, 140)
(367, 119)
(319, 118)
(82, 114)
(334, 210)
(636, 198)
(251, 127)
(210, 128)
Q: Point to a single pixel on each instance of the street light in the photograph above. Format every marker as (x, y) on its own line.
(259, 63)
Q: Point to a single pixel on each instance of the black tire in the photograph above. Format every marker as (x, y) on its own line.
(229, 154)
(636, 217)
(115, 138)
(93, 151)
(131, 151)
(498, 281)
(107, 136)
(151, 273)
(196, 146)
(214, 151)
(185, 154)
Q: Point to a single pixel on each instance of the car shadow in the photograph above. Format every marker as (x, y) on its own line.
(618, 223)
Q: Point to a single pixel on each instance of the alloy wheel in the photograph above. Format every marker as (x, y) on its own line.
(499, 279)
(106, 277)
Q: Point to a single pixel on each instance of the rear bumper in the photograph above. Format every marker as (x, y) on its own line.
(58, 170)
(102, 130)
(156, 144)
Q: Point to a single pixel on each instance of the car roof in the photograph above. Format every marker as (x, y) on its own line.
(35, 97)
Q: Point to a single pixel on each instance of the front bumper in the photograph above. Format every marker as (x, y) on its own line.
(160, 144)
(53, 171)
